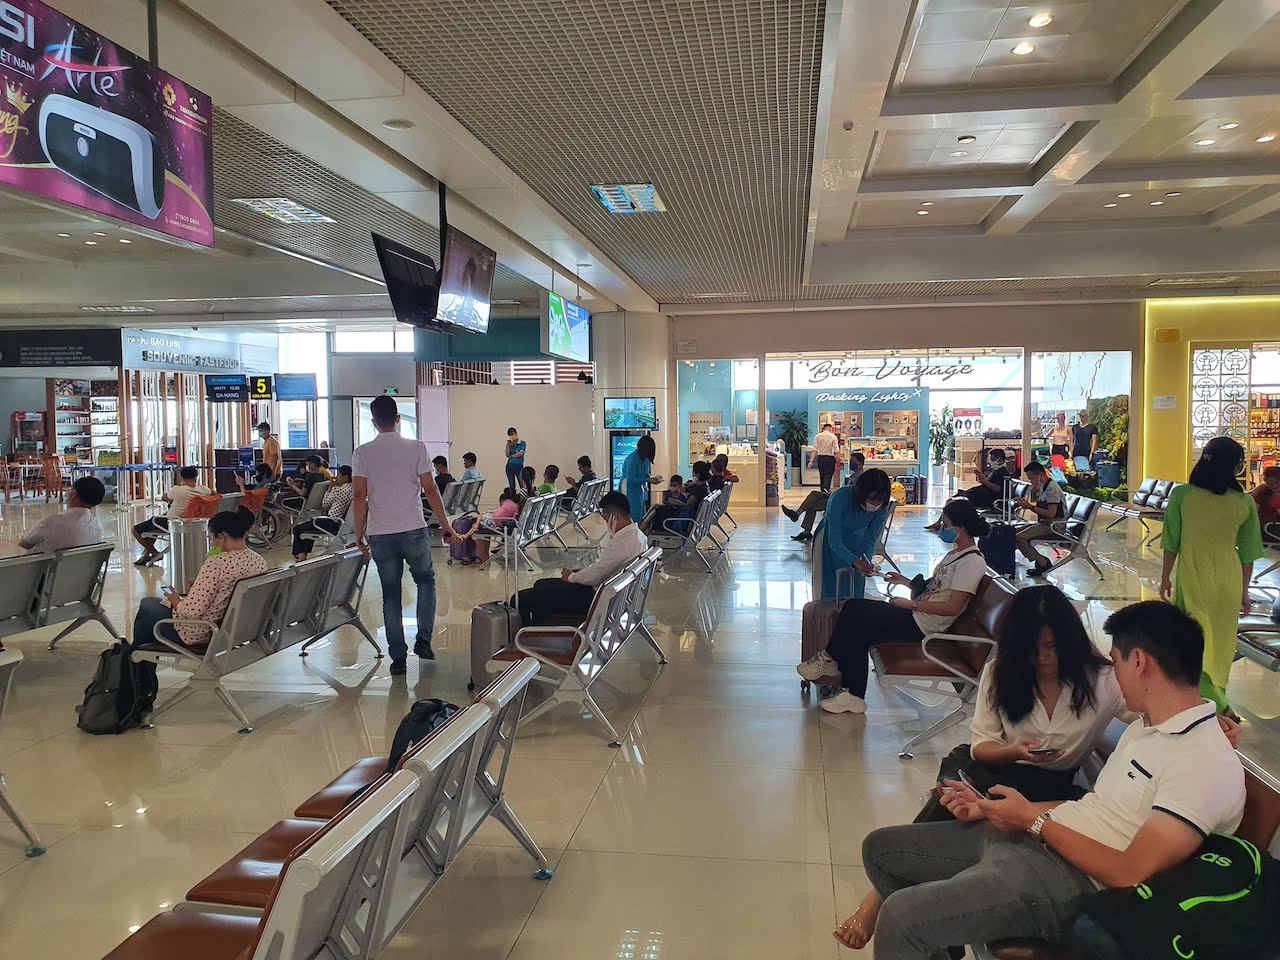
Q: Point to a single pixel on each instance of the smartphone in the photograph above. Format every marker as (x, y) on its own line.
(964, 778)
(1042, 751)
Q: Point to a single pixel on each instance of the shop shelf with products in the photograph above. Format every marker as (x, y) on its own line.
(1264, 433)
(69, 402)
(105, 416)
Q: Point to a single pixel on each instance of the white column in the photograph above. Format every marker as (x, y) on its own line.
(632, 353)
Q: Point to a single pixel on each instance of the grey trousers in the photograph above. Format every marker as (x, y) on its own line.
(965, 883)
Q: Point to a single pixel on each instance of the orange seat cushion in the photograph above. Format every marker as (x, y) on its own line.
(192, 936)
(555, 648)
(247, 879)
(1030, 950)
(326, 802)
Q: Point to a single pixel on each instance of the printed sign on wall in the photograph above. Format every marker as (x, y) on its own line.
(87, 122)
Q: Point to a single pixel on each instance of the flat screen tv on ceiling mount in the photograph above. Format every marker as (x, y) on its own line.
(631, 413)
(412, 281)
(466, 283)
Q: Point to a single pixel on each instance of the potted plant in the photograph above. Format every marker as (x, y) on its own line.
(942, 427)
(793, 430)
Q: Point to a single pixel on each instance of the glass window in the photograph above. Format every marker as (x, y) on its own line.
(1097, 382)
(364, 420)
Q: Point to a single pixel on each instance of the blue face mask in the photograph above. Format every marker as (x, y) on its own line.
(947, 534)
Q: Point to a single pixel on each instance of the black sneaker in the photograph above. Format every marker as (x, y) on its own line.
(397, 668)
(802, 537)
(423, 649)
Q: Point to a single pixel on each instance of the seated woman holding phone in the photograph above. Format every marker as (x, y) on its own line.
(1043, 705)
(932, 607)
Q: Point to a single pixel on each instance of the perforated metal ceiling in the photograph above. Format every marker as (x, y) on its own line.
(249, 163)
(711, 100)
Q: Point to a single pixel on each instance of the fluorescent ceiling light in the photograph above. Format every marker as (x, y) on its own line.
(629, 197)
(117, 308)
(1041, 20)
(715, 296)
(1193, 281)
(505, 303)
(282, 209)
(1024, 48)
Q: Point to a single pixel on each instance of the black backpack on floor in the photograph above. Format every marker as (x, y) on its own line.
(998, 548)
(423, 717)
(120, 695)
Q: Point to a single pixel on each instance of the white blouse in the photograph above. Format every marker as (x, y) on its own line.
(1074, 734)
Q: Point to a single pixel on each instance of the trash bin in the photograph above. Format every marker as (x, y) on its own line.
(188, 546)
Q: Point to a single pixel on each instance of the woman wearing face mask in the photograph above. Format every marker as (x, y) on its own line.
(847, 535)
(209, 593)
(1043, 706)
(932, 608)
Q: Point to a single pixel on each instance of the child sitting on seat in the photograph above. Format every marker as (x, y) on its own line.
(549, 478)
(492, 523)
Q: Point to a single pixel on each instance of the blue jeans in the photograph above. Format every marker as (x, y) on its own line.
(391, 551)
(150, 612)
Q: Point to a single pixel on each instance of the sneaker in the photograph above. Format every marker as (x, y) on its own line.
(802, 537)
(844, 702)
(792, 515)
(422, 648)
(397, 668)
(818, 666)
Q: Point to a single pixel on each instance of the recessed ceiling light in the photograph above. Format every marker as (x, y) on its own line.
(922, 213)
(98, 233)
(1124, 196)
(629, 197)
(91, 243)
(1111, 204)
(1229, 126)
(1022, 49)
(1205, 143)
(926, 203)
(398, 123)
(1041, 20)
(282, 209)
(64, 234)
(959, 153)
(1174, 193)
(967, 138)
(1266, 139)
(123, 240)
(1157, 203)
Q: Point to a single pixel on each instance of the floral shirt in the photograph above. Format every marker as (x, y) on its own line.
(337, 501)
(211, 592)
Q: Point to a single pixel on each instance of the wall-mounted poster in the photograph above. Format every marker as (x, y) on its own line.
(86, 122)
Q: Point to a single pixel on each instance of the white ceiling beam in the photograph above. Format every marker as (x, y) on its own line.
(1245, 209)
(36, 253)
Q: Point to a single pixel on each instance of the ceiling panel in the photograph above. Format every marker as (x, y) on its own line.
(944, 212)
(1182, 140)
(249, 163)
(993, 148)
(1102, 206)
(970, 43)
(1260, 56)
(714, 101)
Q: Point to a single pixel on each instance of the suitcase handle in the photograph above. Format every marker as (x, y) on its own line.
(845, 575)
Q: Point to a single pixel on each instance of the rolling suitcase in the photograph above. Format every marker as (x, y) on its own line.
(998, 548)
(817, 620)
(493, 626)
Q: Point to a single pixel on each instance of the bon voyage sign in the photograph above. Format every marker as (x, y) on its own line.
(89, 123)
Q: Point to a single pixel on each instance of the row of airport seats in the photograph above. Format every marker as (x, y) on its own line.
(1148, 502)
(296, 605)
(43, 589)
(343, 876)
(686, 535)
(1072, 533)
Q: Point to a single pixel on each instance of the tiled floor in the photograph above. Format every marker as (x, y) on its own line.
(728, 824)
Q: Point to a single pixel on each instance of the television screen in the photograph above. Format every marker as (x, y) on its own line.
(566, 330)
(412, 281)
(296, 386)
(631, 413)
(226, 388)
(466, 282)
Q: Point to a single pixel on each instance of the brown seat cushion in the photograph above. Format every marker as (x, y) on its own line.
(1029, 950)
(907, 659)
(247, 879)
(325, 803)
(555, 647)
(192, 936)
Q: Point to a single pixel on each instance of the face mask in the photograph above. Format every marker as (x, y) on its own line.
(948, 534)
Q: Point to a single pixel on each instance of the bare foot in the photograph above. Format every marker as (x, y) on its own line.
(857, 931)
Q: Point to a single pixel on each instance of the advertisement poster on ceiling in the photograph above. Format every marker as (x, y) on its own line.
(568, 329)
(88, 123)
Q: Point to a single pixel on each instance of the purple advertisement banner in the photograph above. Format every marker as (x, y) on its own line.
(89, 123)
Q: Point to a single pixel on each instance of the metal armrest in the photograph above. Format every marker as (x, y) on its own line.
(666, 525)
(177, 647)
(955, 637)
(576, 633)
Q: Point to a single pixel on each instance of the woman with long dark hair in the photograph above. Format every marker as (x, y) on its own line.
(847, 536)
(934, 605)
(1043, 706)
(1211, 535)
(636, 476)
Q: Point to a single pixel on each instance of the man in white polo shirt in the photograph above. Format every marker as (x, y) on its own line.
(1173, 779)
(390, 473)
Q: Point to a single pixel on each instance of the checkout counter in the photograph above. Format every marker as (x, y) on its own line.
(227, 462)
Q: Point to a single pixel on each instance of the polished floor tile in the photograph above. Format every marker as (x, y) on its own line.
(728, 824)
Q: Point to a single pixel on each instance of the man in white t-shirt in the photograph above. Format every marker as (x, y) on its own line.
(390, 475)
(179, 498)
(74, 527)
(826, 445)
(1172, 780)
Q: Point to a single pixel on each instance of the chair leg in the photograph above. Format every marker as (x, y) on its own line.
(74, 625)
(649, 639)
(891, 562)
(594, 709)
(703, 558)
(173, 701)
(729, 516)
(946, 723)
(503, 813)
(1119, 519)
(556, 534)
(34, 847)
(234, 707)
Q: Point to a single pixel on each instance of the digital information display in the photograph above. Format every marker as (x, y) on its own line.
(226, 388)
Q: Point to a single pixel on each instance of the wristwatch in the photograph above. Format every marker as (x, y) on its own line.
(1037, 826)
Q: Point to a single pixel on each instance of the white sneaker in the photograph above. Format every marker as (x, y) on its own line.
(818, 666)
(844, 702)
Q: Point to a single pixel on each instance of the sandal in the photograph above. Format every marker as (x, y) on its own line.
(855, 935)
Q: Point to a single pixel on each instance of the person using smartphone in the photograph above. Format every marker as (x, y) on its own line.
(1043, 705)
